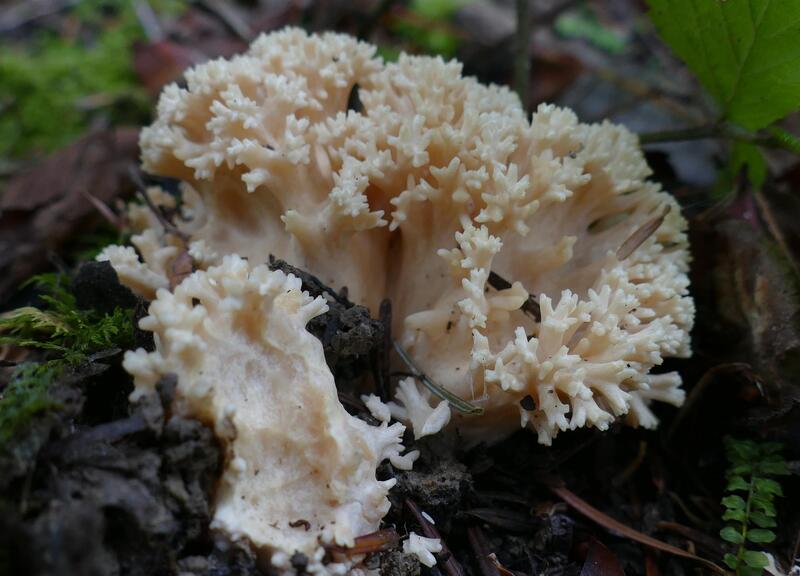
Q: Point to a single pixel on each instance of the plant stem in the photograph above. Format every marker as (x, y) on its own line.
(720, 130)
(522, 61)
(747, 506)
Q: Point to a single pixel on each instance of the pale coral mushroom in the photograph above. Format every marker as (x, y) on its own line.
(436, 182)
(299, 470)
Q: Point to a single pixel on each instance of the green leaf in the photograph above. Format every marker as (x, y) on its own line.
(737, 515)
(749, 571)
(771, 447)
(744, 52)
(730, 534)
(761, 520)
(778, 468)
(734, 502)
(738, 483)
(749, 157)
(755, 559)
(767, 486)
(742, 469)
(762, 503)
(730, 560)
(760, 536)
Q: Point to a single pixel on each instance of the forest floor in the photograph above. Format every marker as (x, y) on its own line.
(91, 485)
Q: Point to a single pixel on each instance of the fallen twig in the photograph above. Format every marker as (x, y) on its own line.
(450, 566)
(228, 15)
(142, 191)
(717, 130)
(621, 529)
(480, 546)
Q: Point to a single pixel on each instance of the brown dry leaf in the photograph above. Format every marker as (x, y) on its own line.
(180, 268)
(554, 72)
(161, 62)
(371, 543)
(751, 276)
(600, 561)
(44, 206)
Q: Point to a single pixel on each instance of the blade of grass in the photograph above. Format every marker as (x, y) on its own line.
(458, 403)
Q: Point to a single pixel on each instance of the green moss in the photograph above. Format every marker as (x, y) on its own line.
(58, 326)
(50, 90)
(63, 328)
(25, 396)
(428, 27)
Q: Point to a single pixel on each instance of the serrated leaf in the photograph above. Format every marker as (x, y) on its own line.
(738, 483)
(761, 520)
(744, 52)
(731, 534)
(755, 559)
(767, 486)
(734, 502)
(760, 536)
(730, 560)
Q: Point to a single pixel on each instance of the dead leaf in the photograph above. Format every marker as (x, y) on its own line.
(180, 268)
(367, 544)
(43, 207)
(161, 62)
(600, 561)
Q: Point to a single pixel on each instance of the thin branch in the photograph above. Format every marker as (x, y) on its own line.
(480, 547)
(450, 566)
(168, 226)
(148, 20)
(618, 527)
(232, 19)
(716, 130)
(522, 60)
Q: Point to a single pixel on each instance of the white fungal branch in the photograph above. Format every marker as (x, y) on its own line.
(423, 548)
(300, 471)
